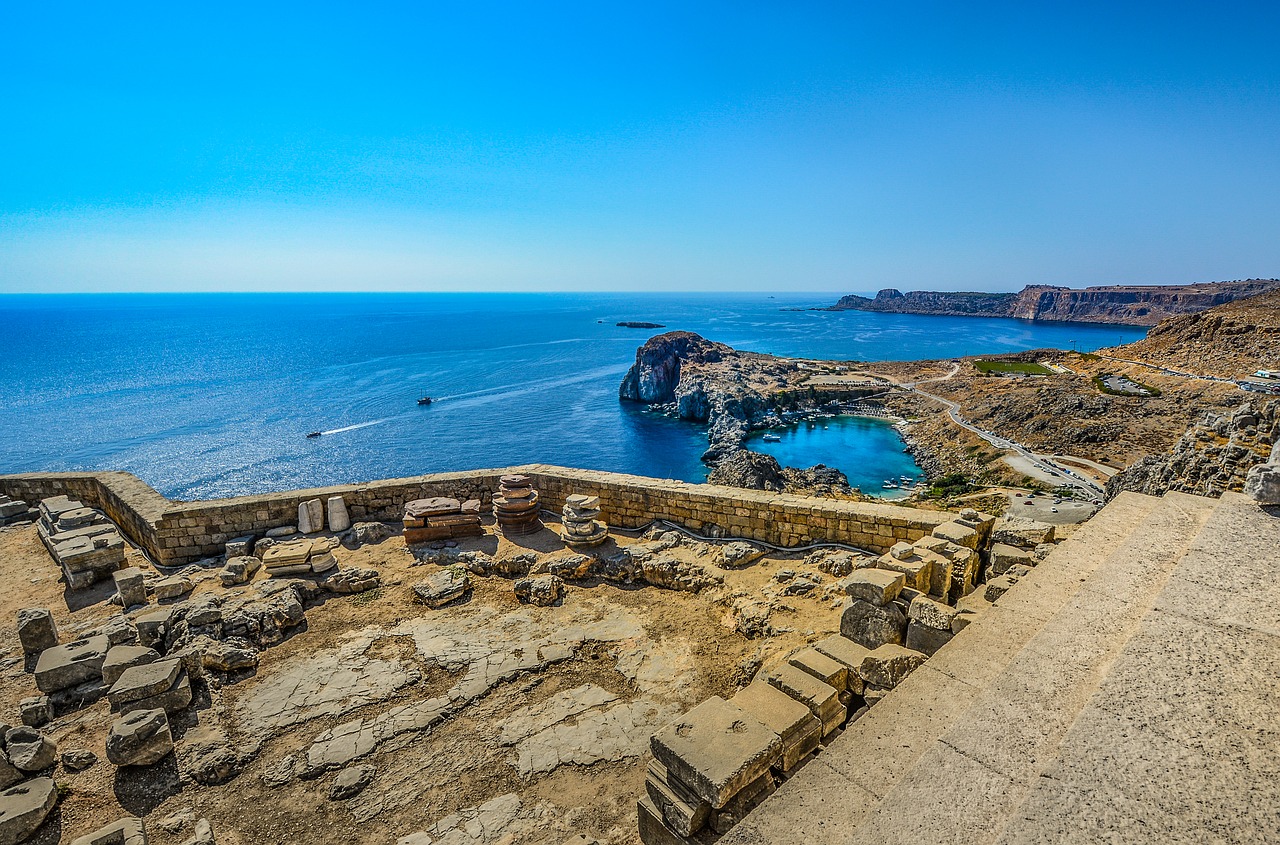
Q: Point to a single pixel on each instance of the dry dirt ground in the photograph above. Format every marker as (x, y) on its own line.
(553, 742)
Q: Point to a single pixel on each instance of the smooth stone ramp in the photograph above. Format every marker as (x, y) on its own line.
(1181, 741)
(924, 764)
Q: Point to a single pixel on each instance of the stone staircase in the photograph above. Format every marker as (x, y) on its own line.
(1125, 691)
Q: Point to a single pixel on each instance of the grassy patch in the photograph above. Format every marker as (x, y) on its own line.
(949, 486)
(367, 597)
(1021, 367)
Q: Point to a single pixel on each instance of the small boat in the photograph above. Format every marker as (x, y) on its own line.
(771, 438)
(314, 434)
(425, 400)
(890, 485)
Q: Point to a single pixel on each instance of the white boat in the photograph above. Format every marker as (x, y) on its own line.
(771, 438)
(890, 485)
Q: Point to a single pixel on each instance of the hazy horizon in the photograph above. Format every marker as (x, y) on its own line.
(571, 148)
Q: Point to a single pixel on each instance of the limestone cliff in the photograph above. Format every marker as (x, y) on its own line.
(1138, 305)
(1213, 457)
(656, 372)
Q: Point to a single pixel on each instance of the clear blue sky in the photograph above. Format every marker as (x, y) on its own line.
(683, 146)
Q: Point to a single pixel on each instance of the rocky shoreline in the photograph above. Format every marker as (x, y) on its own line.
(734, 393)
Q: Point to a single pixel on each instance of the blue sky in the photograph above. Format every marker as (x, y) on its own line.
(740, 146)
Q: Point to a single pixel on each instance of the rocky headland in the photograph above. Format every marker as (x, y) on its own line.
(735, 392)
(1139, 305)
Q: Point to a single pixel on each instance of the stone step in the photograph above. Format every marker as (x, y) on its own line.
(970, 781)
(828, 798)
(1181, 740)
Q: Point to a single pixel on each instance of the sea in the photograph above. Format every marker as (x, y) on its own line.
(211, 395)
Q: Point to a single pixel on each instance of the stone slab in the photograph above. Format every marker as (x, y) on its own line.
(716, 749)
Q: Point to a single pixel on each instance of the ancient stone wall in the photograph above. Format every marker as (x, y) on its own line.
(179, 532)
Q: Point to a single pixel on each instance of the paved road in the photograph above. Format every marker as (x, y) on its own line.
(1167, 371)
(1068, 478)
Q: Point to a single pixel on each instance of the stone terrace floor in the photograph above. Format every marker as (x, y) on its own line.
(1127, 691)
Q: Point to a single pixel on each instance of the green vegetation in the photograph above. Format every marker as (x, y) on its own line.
(948, 486)
(367, 597)
(1022, 367)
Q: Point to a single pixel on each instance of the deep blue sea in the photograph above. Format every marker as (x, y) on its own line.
(206, 395)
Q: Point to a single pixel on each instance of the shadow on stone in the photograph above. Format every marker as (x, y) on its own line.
(140, 789)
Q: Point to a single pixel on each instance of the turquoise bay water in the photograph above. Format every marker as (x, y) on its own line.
(207, 395)
(864, 448)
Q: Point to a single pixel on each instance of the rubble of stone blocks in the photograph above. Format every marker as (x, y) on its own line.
(441, 518)
(581, 527)
(515, 506)
(299, 557)
(86, 544)
(13, 511)
(717, 762)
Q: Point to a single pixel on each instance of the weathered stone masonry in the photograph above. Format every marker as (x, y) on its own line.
(180, 532)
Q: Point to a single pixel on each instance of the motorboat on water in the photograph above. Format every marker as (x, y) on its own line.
(425, 400)
(315, 434)
(890, 484)
(771, 438)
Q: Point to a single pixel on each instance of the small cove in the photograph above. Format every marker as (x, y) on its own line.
(867, 450)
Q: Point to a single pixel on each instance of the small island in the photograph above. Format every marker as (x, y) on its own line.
(632, 324)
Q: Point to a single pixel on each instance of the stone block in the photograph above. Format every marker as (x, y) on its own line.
(139, 738)
(173, 587)
(72, 664)
(822, 699)
(681, 809)
(36, 629)
(23, 808)
(1021, 532)
(29, 750)
(799, 729)
(926, 611)
(36, 711)
(339, 519)
(440, 588)
(127, 831)
(311, 516)
(916, 569)
(122, 657)
(874, 586)
(176, 698)
(959, 533)
(130, 586)
(1002, 556)
(849, 654)
(886, 666)
(144, 680)
(152, 625)
(119, 630)
(239, 547)
(871, 626)
(926, 640)
(653, 828)
(716, 749)
(820, 666)
(239, 570)
(997, 587)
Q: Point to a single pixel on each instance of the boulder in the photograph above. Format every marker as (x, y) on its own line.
(228, 656)
(541, 590)
(36, 711)
(29, 750)
(870, 625)
(887, 665)
(737, 554)
(78, 759)
(23, 808)
(351, 781)
(139, 738)
(1262, 484)
(202, 834)
(440, 588)
(366, 533)
(36, 630)
(239, 570)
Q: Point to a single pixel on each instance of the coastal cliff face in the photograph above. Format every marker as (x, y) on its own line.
(1122, 304)
(656, 373)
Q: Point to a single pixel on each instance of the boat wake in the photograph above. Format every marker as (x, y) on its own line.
(352, 427)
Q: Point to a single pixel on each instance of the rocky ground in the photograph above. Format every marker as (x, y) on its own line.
(487, 719)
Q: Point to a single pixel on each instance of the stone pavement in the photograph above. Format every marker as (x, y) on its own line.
(1125, 691)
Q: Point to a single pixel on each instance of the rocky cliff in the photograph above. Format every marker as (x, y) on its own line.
(1125, 304)
(1213, 457)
